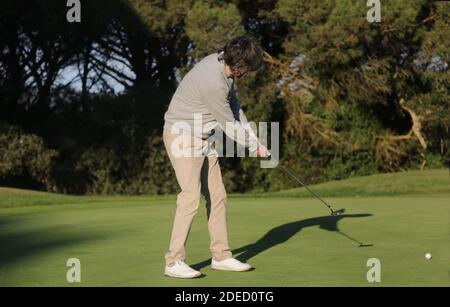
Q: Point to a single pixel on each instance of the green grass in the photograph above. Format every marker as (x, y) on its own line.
(435, 181)
(290, 241)
(407, 183)
(10, 198)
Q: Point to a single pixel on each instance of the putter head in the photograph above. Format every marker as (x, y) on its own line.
(338, 212)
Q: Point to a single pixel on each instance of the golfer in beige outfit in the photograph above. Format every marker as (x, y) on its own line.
(207, 93)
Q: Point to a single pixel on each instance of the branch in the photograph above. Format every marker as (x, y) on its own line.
(111, 57)
(123, 82)
(389, 147)
(287, 69)
(113, 71)
(417, 125)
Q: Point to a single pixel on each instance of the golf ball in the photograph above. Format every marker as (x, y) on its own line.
(428, 256)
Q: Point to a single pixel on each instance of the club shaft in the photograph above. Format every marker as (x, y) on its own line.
(305, 186)
(351, 238)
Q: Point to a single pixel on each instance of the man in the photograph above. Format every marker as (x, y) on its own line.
(207, 94)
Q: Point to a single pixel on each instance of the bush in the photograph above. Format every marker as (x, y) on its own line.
(127, 170)
(160, 176)
(100, 166)
(24, 159)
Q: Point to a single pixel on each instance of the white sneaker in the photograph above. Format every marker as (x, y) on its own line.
(230, 264)
(181, 270)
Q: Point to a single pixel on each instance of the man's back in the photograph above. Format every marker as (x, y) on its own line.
(204, 84)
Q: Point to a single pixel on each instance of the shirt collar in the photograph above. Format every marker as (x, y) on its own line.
(221, 62)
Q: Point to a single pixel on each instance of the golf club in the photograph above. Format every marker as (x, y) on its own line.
(354, 240)
(333, 212)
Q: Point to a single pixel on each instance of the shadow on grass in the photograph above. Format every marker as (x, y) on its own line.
(282, 233)
(17, 244)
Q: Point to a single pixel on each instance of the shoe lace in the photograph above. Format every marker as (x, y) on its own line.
(182, 263)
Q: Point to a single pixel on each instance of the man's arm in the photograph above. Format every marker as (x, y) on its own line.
(240, 115)
(262, 151)
(217, 103)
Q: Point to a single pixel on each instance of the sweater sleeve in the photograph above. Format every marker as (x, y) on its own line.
(240, 115)
(223, 107)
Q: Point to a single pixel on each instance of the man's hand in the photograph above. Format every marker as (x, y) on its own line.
(262, 152)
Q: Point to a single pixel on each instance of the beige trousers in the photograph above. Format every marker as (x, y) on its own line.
(197, 175)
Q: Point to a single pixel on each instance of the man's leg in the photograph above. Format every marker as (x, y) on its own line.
(216, 204)
(187, 170)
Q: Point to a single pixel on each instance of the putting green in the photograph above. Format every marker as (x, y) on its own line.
(290, 241)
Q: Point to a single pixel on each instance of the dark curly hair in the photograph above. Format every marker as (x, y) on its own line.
(243, 54)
